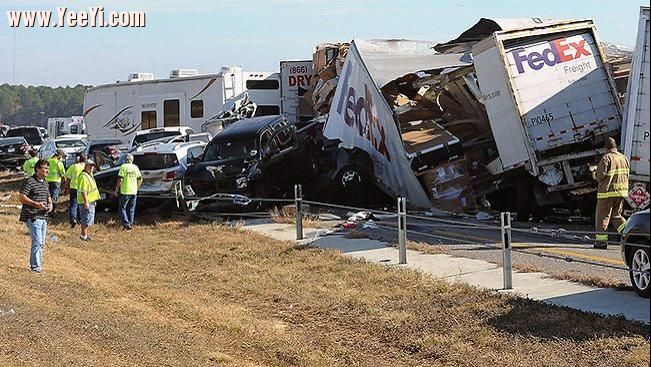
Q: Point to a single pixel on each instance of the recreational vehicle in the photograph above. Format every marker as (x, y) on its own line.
(186, 98)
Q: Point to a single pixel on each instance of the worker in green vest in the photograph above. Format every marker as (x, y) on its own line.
(55, 175)
(87, 197)
(28, 166)
(70, 186)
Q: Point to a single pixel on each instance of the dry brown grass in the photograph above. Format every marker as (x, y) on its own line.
(424, 247)
(591, 280)
(287, 215)
(185, 294)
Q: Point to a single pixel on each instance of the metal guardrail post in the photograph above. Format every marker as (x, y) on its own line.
(506, 250)
(402, 230)
(298, 202)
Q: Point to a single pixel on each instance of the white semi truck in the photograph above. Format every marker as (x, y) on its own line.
(635, 127)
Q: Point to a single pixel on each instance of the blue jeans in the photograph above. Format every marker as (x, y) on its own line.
(87, 216)
(73, 207)
(37, 231)
(127, 209)
(55, 189)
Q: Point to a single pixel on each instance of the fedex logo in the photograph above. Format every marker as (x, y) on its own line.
(559, 50)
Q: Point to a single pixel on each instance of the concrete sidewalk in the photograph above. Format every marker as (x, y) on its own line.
(481, 274)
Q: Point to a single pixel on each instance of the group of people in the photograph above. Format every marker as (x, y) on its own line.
(40, 194)
(47, 179)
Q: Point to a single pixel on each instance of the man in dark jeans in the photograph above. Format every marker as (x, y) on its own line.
(56, 172)
(129, 180)
(72, 176)
(37, 204)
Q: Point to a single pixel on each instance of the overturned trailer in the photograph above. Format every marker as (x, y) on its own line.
(531, 102)
(412, 155)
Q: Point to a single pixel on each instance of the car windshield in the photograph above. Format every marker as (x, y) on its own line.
(154, 161)
(70, 144)
(230, 149)
(11, 141)
(32, 136)
(139, 139)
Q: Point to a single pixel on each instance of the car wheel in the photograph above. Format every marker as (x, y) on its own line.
(349, 178)
(638, 262)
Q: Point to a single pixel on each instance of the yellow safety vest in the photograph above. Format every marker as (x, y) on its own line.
(612, 174)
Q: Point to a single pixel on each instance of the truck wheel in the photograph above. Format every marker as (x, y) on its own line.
(523, 199)
(638, 262)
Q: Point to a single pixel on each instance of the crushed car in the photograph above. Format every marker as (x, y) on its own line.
(33, 134)
(72, 145)
(13, 152)
(264, 157)
(259, 157)
(162, 166)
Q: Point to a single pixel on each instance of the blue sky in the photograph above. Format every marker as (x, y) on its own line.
(254, 34)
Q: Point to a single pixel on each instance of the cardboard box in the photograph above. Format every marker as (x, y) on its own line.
(449, 188)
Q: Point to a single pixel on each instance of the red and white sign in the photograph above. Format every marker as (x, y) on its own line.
(638, 197)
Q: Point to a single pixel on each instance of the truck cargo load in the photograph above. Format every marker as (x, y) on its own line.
(403, 150)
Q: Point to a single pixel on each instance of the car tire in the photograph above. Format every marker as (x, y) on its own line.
(349, 178)
(638, 259)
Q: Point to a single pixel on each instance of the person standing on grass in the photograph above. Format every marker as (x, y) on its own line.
(70, 185)
(57, 172)
(87, 196)
(37, 204)
(28, 166)
(129, 180)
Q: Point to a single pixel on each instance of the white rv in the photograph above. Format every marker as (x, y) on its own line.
(186, 98)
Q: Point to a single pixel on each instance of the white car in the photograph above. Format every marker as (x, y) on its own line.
(163, 165)
(70, 144)
(144, 136)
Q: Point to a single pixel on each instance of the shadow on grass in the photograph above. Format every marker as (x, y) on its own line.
(531, 318)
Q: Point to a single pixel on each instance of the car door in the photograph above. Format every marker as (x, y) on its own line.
(283, 163)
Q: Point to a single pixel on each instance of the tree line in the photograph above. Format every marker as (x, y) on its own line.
(33, 105)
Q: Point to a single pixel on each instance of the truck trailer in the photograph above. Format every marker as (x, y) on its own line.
(635, 127)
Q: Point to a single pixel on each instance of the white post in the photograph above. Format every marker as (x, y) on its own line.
(298, 203)
(506, 250)
(402, 230)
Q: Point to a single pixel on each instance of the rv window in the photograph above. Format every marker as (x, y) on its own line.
(267, 84)
(148, 120)
(171, 113)
(196, 109)
(262, 110)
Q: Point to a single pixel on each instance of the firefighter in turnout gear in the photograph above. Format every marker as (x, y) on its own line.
(612, 175)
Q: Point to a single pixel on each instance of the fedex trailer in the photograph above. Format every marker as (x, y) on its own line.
(186, 98)
(551, 102)
(635, 127)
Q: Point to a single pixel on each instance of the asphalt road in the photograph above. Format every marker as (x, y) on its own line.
(556, 249)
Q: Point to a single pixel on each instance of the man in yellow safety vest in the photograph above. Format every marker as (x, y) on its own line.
(612, 175)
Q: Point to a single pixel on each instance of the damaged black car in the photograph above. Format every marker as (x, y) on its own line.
(260, 157)
(264, 157)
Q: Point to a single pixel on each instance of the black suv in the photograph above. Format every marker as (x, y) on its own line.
(635, 251)
(257, 157)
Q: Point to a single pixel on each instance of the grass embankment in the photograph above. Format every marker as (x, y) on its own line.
(193, 294)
